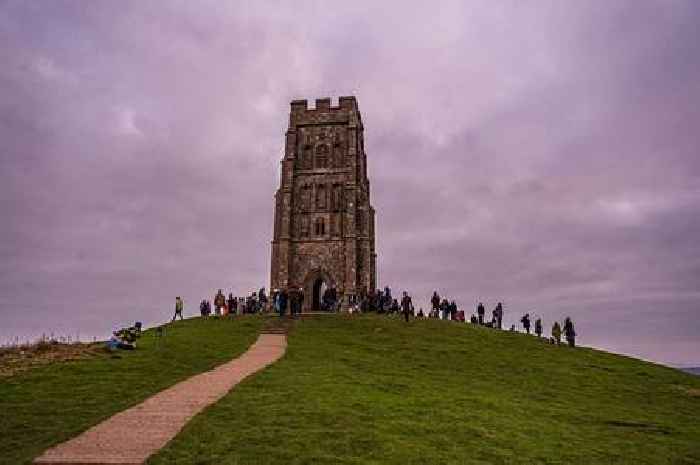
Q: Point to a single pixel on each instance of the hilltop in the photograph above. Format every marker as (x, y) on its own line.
(371, 389)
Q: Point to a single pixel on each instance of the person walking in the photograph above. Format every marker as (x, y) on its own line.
(569, 332)
(179, 307)
(556, 332)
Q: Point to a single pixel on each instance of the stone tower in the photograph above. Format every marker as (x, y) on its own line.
(324, 223)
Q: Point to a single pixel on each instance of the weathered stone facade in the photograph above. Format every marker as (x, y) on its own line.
(324, 223)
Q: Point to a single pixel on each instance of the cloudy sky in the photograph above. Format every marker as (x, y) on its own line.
(544, 153)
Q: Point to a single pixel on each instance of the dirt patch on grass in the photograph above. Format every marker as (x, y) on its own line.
(16, 360)
(689, 391)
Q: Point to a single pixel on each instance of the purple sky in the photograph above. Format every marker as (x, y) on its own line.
(542, 153)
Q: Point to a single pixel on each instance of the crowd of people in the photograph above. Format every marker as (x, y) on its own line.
(446, 309)
(377, 301)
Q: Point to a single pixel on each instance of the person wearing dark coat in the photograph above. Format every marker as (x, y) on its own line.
(452, 309)
(499, 315)
(406, 305)
(525, 320)
(481, 311)
(231, 304)
(283, 298)
(435, 301)
(569, 332)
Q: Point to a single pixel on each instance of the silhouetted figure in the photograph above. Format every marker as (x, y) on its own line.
(219, 302)
(443, 309)
(435, 302)
(525, 320)
(203, 308)
(179, 307)
(474, 320)
(499, 315)
(262, 298)
(282, 299)
(481, 311)
(230, 303)
(301, 300)
(420, 313)
(452, 308)
(538, 327)
(556, 332)
(406, 305)
(569, 332)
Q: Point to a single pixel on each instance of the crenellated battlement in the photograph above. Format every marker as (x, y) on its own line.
(324, 113)
(345, 103)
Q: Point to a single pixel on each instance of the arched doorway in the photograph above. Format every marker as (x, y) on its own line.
(315, 284)
(319, 288)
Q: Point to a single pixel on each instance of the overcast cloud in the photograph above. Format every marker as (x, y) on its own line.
(545, 153)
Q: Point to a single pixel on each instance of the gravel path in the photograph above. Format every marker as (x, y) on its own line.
(133, 435)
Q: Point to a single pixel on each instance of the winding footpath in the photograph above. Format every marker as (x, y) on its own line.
(131, 436)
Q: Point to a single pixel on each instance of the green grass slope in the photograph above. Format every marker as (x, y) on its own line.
(373, 390)
(50, 404)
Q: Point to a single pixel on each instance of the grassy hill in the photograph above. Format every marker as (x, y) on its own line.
(373, 390)
(51, 403)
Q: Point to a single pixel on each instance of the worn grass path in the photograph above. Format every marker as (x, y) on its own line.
(131, 436)
(373, 390)
(50, 404)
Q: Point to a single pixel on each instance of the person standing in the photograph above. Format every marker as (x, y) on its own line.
(179, 307)
(556, 332)
(283, 298)
(480, 311)
(301, 301)
(538, 327)
(231, 304)
(569, 332)
(525, 320)
(435, 301)
(219, 302)
(406, 305)
(499, 315)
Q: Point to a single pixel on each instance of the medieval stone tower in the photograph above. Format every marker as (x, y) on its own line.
(324, 223)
